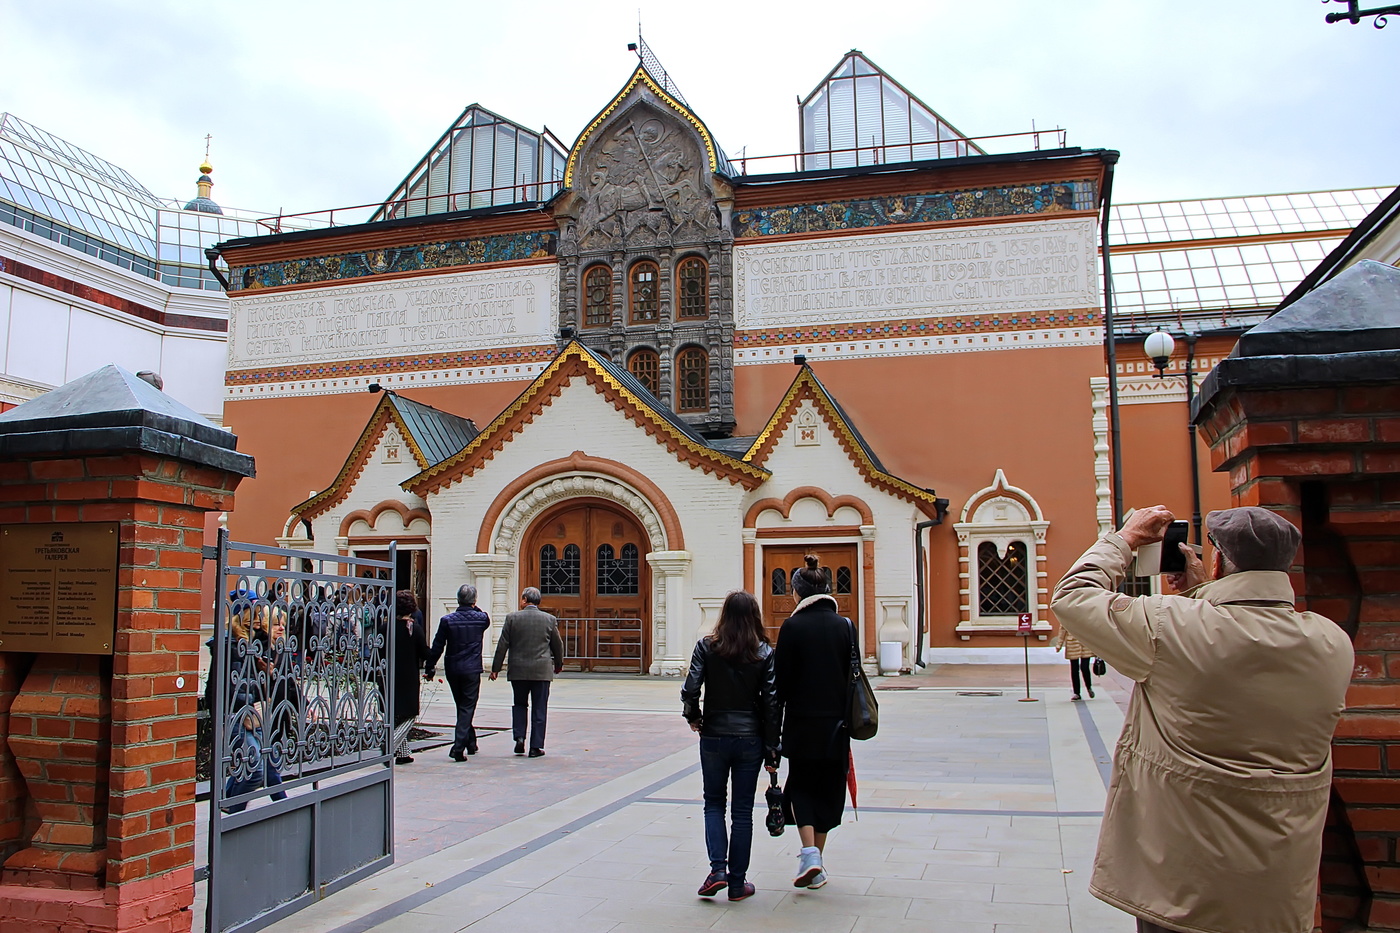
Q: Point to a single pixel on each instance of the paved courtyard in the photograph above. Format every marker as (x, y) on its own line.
(978, 814)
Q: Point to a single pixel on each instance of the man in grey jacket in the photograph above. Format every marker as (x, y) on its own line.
(1214, 817)
(533, 653)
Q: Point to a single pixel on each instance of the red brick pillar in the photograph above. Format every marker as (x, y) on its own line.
(107, 743)
(1305, 417)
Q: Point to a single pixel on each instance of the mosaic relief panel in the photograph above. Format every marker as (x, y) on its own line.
(641, 184)
(423, 257)
(971, 204)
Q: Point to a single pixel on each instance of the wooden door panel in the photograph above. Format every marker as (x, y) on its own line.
(605, 579)
(840, 563)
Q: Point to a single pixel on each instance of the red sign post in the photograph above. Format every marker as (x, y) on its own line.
(1023, 628)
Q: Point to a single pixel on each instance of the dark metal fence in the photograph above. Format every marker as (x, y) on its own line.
(301, 794)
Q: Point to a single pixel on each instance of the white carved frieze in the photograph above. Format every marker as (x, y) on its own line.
(993, 268)
(481, 309)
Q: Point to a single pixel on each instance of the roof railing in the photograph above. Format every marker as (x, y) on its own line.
(540, 191)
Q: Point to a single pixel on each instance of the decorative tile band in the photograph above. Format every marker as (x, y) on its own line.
(752, 339)
(971, 204)
(420, 258)
(350, 369)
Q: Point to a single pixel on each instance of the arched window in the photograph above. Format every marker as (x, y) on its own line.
(617, 576)
(1002, 580)
(692, 293)
(597, 297)
(645, 365)
(843, 581)
(693, 380)
(559, 576)
(645, 298)
(779, 582)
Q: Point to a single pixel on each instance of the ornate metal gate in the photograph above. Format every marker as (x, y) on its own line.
(301, 791)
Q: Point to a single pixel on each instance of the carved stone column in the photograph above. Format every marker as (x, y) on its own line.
(668, 648)
(491, 575)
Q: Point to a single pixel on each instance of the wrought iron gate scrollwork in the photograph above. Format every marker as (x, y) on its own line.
(299, 695)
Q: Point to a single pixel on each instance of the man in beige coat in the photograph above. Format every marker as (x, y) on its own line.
(1214, 816)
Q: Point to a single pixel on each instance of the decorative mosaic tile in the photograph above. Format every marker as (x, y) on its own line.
(504, 248)
(917, 208)
(433, 361)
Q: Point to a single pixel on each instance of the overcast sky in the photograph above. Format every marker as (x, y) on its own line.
(320, 104)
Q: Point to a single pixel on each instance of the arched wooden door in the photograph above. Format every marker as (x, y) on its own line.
(838, 561)
(588, 558)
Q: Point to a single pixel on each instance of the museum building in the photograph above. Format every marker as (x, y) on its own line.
(638, 373)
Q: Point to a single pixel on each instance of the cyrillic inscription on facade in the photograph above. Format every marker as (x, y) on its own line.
(58, 587)
(989, 269)
(491, 308)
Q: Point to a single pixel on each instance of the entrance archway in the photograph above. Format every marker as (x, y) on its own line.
(588, 558)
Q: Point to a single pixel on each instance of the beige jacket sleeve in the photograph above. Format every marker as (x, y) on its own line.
(1115, 627)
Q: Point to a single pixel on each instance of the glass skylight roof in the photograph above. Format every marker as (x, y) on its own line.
(54, 189)
(1307, 212)
(859, 115)
(1203, 286)
(483, 160)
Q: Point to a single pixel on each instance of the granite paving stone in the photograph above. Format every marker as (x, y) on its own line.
(605, 833)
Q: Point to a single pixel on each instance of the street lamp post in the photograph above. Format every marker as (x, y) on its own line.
(1159, 346)
(1354, 13)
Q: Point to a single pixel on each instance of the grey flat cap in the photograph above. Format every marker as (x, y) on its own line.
(1254, 538)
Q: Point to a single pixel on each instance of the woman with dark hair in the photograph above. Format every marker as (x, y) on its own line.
(410, 651)
(813, 673)
(738, 733)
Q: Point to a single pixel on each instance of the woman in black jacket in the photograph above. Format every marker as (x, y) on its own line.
(410, 651)
(738, 733)
(813, 673)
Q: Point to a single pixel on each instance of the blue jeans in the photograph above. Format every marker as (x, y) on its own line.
(724, 758)
(265, 773)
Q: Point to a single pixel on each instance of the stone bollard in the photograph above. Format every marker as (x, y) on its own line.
(98, 694)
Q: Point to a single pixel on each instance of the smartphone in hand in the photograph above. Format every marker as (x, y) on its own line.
(1173, 561)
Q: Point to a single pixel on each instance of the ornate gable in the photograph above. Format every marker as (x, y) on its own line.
(792, 416)
(385, 414)
(576, 361)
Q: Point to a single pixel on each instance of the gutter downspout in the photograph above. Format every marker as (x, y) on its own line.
(1191, 438)
(942, 508)
(1115, 428)
(212, 254)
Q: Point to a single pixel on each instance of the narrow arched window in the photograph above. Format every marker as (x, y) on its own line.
(559, 576)
(645, 298)
(617, 576)
(692, 290)
(1002, 580)
(597, 297)
(843, 581)
(645, 365)
(692, 380)
(778, 582)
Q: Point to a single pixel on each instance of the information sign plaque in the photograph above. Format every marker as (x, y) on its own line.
(58, 587)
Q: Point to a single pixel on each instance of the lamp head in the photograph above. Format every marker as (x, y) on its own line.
(1159, 346)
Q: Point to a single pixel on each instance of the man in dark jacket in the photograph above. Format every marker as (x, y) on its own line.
(531, 639)
(460, 634)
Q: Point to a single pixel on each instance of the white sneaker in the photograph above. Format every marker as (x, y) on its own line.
(818, 881)
(809, 866)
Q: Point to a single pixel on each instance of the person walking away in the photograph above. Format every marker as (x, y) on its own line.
(1222, 774)
(410, 650)
(1080, 659)
(738, 733)
(460, 635)
(812, 666)
(532, 650)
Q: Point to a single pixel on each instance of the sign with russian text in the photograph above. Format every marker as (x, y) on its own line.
(994, 270)
(1023, 624)
(58, 587)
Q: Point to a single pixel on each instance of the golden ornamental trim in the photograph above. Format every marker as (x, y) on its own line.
(640, 76)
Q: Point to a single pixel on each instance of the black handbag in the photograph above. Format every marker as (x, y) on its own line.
(863, 718)
(777, 817)
(1099, 667)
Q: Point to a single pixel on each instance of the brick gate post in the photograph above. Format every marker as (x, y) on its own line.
(1305, 417)
(97, 742)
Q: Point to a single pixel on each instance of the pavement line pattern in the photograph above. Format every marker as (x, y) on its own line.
(946, 811)
(1096, 746)
(405, 904)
